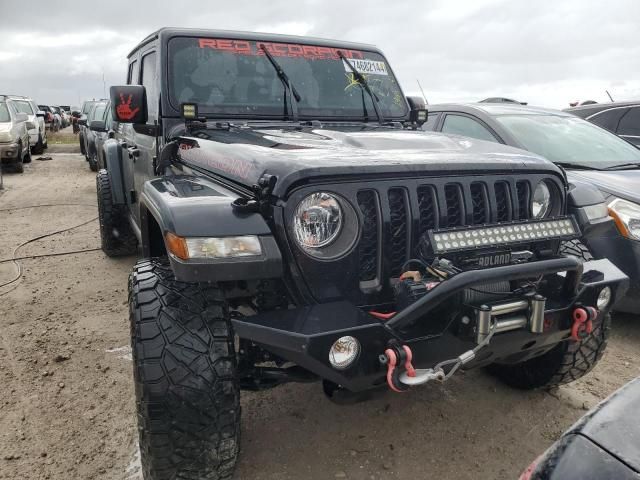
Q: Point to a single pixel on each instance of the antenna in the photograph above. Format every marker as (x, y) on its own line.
(421, 90)
(610, 97)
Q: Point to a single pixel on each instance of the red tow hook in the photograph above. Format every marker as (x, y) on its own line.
(398, 360)
(583, 318)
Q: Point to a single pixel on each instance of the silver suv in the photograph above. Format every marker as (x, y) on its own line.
(14, 135)
(37, 135)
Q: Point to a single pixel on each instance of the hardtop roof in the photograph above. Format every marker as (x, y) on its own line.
(168, 32)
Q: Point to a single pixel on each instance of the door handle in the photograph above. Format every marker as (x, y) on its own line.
(133, 152)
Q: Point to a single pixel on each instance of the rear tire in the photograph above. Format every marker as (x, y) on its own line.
(566, 362)
(116, 234)
(18, 167)
(93, 163)
(184, 365)
(81, 140)
(38, 149)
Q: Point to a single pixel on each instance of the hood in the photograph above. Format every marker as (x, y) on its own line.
(613, 424)
(622, 183)
(244, 155)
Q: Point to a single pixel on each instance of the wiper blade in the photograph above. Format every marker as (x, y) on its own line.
(624, 166)
(364, 84)
(576, 166)
(287, 85)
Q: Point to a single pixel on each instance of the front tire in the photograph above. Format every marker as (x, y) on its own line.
(566, 362)
(81, 140)
(187, 391)
(575, 248)
(116, 234)
(38, 148)
(93, 163)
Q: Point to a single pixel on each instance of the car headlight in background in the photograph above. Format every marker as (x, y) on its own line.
(627, 217)
(318, 220)
(541, 201)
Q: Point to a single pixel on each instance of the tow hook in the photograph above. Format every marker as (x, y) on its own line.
(398, 359)
(400, 372)
(583, 318)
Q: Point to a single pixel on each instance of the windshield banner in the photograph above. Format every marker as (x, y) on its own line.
(244, 47)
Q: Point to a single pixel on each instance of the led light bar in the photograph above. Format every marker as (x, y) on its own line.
(490, 236)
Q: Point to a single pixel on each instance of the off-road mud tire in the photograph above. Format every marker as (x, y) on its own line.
(575, 248)
(187, 392)
(566, 362)
(116, 235)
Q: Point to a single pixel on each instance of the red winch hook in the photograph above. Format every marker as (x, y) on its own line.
(583, 318)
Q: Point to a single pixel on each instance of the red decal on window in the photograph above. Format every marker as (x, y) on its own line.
(243, 47)
(124, 109)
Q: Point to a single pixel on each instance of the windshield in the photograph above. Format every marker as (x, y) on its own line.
(4, 113)
(87, 106)
(235, 78)
(569, 139)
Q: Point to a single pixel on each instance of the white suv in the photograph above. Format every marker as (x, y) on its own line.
(37, 135)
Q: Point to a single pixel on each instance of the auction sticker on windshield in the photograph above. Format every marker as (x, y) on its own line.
(374, 67)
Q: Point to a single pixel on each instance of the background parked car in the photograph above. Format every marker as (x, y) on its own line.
(52, 120)
(589, 153)
(82, 124)
(37, 135)
(621, 118)
(102, 130)
(14, 135)
(604, 444)
(57, 111)
(95, 123)
(64, 115)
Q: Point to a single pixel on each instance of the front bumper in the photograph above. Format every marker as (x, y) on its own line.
(9, 152)
(305, 335)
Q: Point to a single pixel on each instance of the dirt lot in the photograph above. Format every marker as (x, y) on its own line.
(66, 402)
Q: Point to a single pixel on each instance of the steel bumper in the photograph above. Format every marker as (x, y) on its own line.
(305, 335)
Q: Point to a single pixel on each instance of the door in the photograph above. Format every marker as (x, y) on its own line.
(126, 140)
(629, 126)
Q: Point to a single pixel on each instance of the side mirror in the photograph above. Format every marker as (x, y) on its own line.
(21, 117)
(129, 103)
(82, 120)
(41, 113)
(30, 125)
(97, 126)
(418, 111)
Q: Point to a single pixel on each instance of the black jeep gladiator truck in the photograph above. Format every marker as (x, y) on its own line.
(296, 225)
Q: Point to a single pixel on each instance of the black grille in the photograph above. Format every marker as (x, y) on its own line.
(427, 206)
(368, 247)
(399, 224)
(480, 213)
(522, 189)
(503, 202)
(489, 202)
(455, 202)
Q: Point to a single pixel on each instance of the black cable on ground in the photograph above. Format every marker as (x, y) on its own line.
(49, 205)
(57, 254)
(14, 259)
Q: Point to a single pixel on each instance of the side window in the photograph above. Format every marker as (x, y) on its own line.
(150, 83)
(132, 76)
(432, 119)
(24, 107)
(467, 127)
(609, 119)
(630, 123)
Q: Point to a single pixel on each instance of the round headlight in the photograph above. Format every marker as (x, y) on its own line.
(541, 201)
(604, 298)
(344, 352)
(318, 220)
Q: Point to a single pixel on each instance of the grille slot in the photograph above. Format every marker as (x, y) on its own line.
(368, 247)
(523, 192)
(398, 210)
(480, 203)
(427, 206)
(503, 201)
(455, 202)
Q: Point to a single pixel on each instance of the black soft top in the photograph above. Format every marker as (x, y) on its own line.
(168, 32)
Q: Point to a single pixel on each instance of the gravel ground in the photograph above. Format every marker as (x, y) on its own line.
(67, 408)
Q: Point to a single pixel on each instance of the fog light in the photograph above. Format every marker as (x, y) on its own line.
(604, 298)
(344, 352)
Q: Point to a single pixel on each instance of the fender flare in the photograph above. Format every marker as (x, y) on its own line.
(113, 164)
(190, 206)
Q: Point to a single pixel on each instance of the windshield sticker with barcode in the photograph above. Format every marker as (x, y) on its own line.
(365, 66)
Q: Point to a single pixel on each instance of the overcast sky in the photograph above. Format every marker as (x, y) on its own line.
(545, 52)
